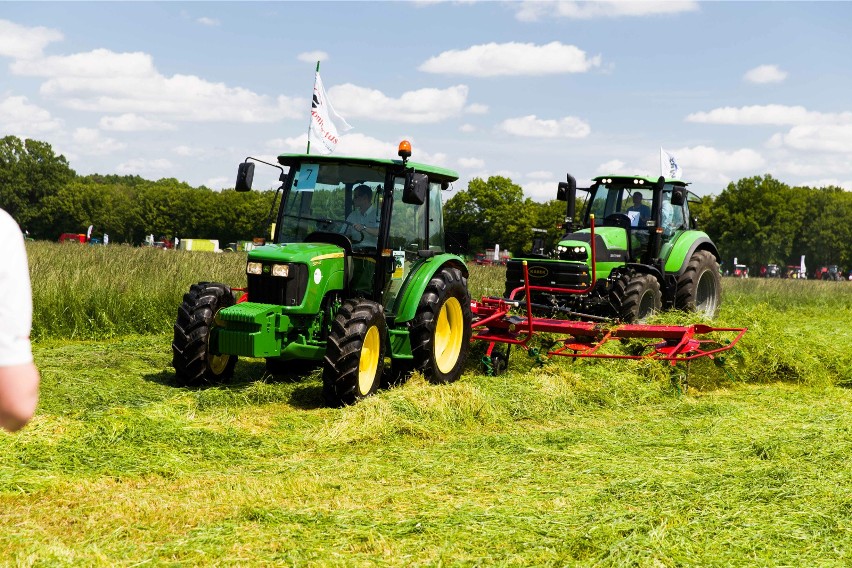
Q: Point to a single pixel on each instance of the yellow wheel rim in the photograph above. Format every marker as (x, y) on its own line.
(449, 332)
(369, 363)
(217, 363)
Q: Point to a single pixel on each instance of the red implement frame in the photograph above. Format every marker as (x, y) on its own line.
(494, 323)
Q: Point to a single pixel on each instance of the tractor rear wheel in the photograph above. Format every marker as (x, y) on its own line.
(440, 331)
(638, 297)
(355, 354)
(699, 288)
(192, 358)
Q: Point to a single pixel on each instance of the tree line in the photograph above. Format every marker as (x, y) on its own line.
(47, 198)
(759, 220)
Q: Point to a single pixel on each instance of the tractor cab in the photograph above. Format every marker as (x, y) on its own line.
(637, 214)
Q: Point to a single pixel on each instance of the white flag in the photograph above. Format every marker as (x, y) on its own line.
(325, 123)
(668, 166)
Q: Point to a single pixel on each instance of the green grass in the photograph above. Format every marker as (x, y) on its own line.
(595, 463)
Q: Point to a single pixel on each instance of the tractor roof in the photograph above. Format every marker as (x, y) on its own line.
(646, 179)
(435, 173)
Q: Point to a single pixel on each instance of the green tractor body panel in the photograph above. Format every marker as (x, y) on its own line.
(680, 248)
(405, 306)
(272, 327)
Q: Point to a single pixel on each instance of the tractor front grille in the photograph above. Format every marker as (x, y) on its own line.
(547, 273)
(290, 291)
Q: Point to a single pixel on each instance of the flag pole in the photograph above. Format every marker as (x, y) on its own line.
(311, 116)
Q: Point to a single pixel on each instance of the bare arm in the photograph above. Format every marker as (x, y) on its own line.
(18, 395)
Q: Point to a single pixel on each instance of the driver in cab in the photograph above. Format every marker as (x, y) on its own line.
(641, 212)
(363, 223)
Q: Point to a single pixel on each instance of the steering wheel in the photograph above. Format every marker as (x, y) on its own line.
(344, 226)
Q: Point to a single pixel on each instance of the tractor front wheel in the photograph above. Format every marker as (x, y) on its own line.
(638, 297)
(440, 332)
(192, 358)
(699, 288)
(355, 354)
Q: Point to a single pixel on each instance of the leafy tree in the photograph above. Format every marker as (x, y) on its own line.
(29, 173)
(756, 220)
(492, 212)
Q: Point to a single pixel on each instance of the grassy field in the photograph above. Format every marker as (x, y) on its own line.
(588, 464)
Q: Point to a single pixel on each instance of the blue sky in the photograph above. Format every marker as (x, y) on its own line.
(528, 90)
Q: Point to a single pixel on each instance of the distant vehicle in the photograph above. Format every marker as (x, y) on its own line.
(741, 271)
(73, 238)
(773, 271)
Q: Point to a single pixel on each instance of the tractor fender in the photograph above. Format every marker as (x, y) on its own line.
(418, 279)
(683, 250)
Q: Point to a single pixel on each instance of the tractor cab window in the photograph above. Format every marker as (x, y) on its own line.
(673, 217)
(436, 221)
(333, 198)
(407, 224)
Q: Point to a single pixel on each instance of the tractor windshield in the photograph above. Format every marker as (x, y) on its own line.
(333, 198)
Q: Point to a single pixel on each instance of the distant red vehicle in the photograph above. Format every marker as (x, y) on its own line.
(73, 238)
(741, 271)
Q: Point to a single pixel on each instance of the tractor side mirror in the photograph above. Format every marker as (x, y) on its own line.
(677, 198)
(416, 187)
(567, 190)
(245, 175)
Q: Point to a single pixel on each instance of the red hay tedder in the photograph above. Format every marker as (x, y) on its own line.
(501, 320)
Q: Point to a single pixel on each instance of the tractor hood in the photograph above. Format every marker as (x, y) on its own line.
(610, 245)
(307, 253)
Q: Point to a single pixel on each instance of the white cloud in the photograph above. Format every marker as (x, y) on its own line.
(219, 183)
(822, 138)
(530, 126)
(205, 21)
(534, 10)
(132, 123)
(18, 116)
(768, 114)
(541, 175)
(615, 167)
(540, 191)
(476, 108)
(765, 74)
(467, 128)
(106, 81)
(312, 56)
(471, 163)
(90, 142)
(19, 42)
(418, 107)
(145, 168)
(502, 59)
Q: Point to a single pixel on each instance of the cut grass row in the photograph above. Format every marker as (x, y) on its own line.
(588, 464)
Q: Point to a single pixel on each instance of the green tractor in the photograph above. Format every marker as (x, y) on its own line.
(356, 273)
(648, 256)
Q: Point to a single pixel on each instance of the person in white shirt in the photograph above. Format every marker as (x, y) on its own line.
(19, 378)
(364, 227)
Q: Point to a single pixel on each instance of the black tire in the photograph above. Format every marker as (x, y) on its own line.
(440, 331)
(637, 297)
(355, 355)
(699, 288)
(192, 359)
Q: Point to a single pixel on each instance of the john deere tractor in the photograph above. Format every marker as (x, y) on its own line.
(648, 254)
(356, 273)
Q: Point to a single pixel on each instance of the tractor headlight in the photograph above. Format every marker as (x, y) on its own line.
(254, 268)
(281, 270)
